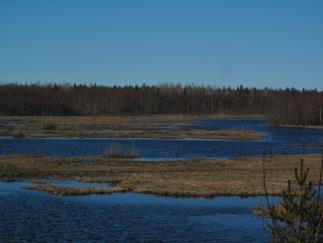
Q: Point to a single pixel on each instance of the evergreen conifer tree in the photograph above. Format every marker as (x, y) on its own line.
(298, 217)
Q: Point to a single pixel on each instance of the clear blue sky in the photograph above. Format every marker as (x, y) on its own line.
(254, 43)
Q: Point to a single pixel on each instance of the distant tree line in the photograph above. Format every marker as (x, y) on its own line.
(283, 106)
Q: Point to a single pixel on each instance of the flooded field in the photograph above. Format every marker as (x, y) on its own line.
(276, 141)
(38, 217)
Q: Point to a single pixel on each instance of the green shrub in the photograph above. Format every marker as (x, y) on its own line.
(298, 217)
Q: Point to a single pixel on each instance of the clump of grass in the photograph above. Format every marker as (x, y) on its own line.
(49, 126)
(11, 129)
(114, 151)
(18, 134)
(14, 132)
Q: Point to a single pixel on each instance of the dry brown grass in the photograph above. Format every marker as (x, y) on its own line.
(74, 191)
(149, 126)
(119, 121)
(306, 126)
(114, 151)
(188, 178)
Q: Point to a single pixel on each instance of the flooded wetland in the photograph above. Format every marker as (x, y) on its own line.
(161, 121)
(176, 189)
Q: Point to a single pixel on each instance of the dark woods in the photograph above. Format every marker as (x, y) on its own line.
(288, 106)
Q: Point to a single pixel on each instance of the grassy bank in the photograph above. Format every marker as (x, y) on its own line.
(74, 191)
(301, 126)
(188, 178)
(150, 126)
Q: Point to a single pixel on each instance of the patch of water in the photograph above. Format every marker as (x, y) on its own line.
(39, 217)
(277, 141)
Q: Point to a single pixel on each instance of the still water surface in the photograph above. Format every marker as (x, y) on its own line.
(39, 217)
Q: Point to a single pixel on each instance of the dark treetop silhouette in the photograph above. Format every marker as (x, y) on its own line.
(282, 106)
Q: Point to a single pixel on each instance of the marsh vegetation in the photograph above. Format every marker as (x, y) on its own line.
(184, 178)
(157, 126)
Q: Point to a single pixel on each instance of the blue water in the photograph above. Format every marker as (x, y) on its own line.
(276, 141)
(39, 217)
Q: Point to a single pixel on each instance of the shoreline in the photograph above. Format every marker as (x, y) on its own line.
(141, 126)
(305, 126)
(135, 134)
(189, 178)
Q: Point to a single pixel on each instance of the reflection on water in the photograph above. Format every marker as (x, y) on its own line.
(34, 216)
(277, 140)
